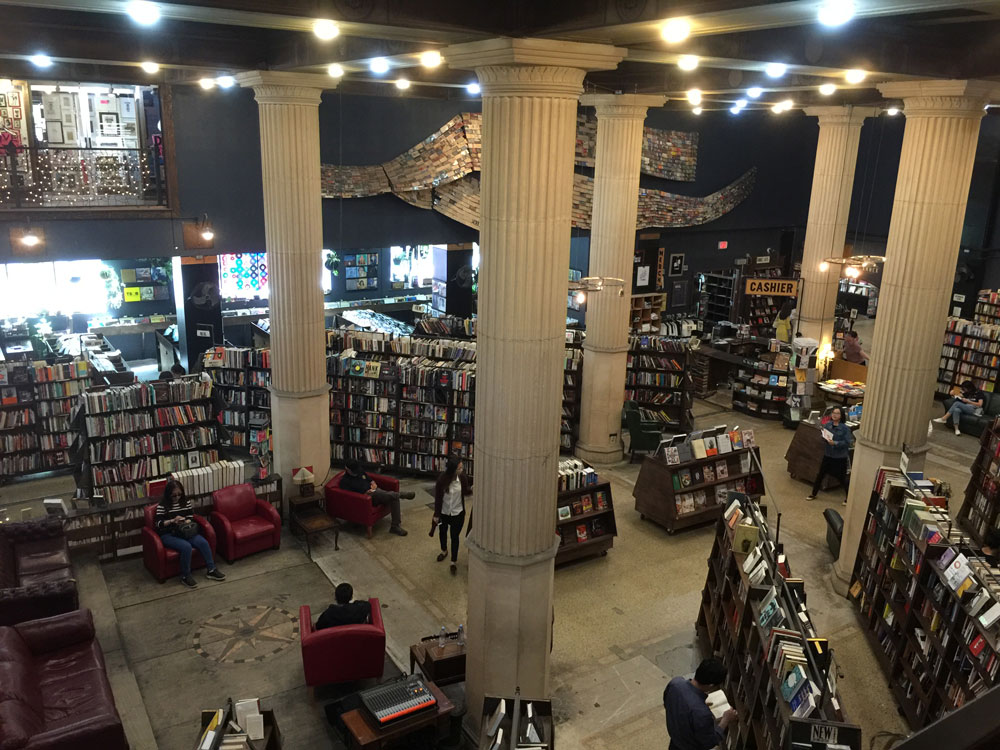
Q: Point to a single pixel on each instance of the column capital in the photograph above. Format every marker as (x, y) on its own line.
(281, 87)
(841, 115)
(942, 98)
(532, 67)
(622, 106)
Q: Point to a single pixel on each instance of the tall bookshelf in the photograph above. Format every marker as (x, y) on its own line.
(988, 307)
(761, 383)
(759, 311)
(57, 393)
(18, 422)
(364, 396)
(753, 616)
(971, 351)
(717, 295)
(227, 366)
(569, 425)
(801, 384)
(657, 379)
(981, 510)
(923, 596)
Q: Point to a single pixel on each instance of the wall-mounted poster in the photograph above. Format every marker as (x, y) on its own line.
(144, 275)
(127, 107)
(109, 123)
(678, 294)
(128, 275)
(642, 276)
(676, 264)
(14, 98)
(132, 294)
(54, 131)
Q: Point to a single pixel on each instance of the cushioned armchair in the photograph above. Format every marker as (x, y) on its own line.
(643, 435)
(344, 653)
(55, 693)
(356, 507)
(36, 579)
(974, 425)
(166, 563)
(244, 523)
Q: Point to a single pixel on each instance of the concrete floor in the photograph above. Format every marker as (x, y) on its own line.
(624, 624)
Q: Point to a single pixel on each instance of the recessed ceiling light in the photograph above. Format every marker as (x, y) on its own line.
(473, 88)
(676, 30)
(835, 12)
(430, 59)
(379, 65)
(827, 89)
(697, 110)
(402, 83)
(40, 60)
(741, 103)
(206, 83)
(754, 92)
(336, 70)
(775, 70)
(892, 111)
(325, 29)
(855, 76)
(694, 96)
(687, 62)
(225, 82)
(150, 67)
(30, 238)
(142, 12)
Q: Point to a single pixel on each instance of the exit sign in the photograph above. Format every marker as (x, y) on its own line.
(723, 245)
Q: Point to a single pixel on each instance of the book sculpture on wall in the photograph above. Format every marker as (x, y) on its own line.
(440, 174)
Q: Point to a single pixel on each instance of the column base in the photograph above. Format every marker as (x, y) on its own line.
(599, 455)
(301, 426)
(509, 628)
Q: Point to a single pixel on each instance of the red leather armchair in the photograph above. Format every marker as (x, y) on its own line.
(243, 522)
(344, 653)
(55, 693)
(166, 563)
(354, 506)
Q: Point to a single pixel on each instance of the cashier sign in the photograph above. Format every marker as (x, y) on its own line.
(773, 287)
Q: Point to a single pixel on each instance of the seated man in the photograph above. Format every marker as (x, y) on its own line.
(356, 480)
(343, 611)
(852, 349)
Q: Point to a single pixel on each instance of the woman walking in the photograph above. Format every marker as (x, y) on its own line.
(174, 522)
(834, 453)
(450, 491)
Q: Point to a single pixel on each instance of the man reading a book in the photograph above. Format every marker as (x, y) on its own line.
(356, 480)
(690, 722)
(343, 611)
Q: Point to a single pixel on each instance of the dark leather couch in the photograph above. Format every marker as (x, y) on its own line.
(970, 424)
(36, 579)
(54, 691)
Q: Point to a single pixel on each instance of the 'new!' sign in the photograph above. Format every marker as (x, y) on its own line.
(773, 287)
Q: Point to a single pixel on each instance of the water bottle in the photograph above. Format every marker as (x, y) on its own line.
(461, 635)
(443, 637)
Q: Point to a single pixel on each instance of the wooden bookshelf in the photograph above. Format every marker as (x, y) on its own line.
(243, 376)
(717, 295)
(657, 379)
(760, 386)
(988, 307)
(935, 654)
(801, 384)
(584, 527)
(981, 510)
(646, 312)
(569, 426)
(971, 351)
(759, 311)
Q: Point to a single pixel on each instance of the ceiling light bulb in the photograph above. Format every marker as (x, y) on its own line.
(207, 234)
(775, 70)
(688, 62)
(225, 82)
(741, 103)
(824, 267)
(379, 65)
(150, 67)
(336, 70)
(754, 92)
(835, 12)
(581, 297)
(142, 12)
(676, 30)
(892, 111)
(827, 89)
(40, 60)
(30, 239)
(786, 105)
(402, 83)
(473, 88)
(697, 110)
(777, 109)
(206, 83)
(854, 76)
(325, 29)
(430, 58)
(735, 110)
(694, 96)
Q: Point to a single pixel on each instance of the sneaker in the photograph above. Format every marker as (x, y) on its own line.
(845, 502)
(216, 575)
(941, 420)
(442, 556)
(397, 530)
(957, 431)
(810, 497)
(454, 569)
(407, 495)
(189, 582)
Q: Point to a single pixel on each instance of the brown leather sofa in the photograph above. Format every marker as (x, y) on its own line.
(54, 691)
(36, 579)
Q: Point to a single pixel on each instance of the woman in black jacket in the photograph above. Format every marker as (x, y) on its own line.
(450, 491)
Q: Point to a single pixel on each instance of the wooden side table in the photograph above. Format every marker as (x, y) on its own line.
(309, 517)
(363, 734)
(442, 665)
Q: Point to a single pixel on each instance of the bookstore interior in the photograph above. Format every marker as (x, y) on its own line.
(815, 476)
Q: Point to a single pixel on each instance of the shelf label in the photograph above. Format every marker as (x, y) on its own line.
(823, 733)
(958, 298)
(773, 287)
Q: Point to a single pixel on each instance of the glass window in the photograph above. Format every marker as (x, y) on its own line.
(30, 289)
(80, 287)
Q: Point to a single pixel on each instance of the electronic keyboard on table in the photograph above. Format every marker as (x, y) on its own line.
(397, 699)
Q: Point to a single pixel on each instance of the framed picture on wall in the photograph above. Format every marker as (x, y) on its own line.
(676, 267)
(14, 98)
(127, 106)
(3, 100)
(54, 131)
(678, 296)
(109, 123)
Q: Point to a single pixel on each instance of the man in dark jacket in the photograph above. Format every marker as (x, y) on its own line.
(343, 611)
(356, 480)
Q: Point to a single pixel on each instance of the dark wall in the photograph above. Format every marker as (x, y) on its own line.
(875, 178)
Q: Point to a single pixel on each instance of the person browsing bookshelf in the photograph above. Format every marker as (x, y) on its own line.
(784, 322)
(690, 722)
(450, 491)
(343, 611)
(969, 400)
(838, 439)
(174, 522)
(356, 480)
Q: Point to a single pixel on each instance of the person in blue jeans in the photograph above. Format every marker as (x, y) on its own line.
(835, 453)
(969, 401)
(173, 512)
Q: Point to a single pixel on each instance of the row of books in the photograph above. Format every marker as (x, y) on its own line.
(710, 472)
(447, 325)
(141, 395)
(131, 446)
(699, 446)
(652, 362)
(582, 532)
(150, 467)
(648, 378)
(574, 474)
(228, 357)
(12, 419)
(585, 504)
(204, 480)
(658, 343)
(76, 370)
(12, 442)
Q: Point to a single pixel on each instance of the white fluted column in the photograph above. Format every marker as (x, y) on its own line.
(530, 92)
(288, 108)
(829, 206)
(620, 119)
(932, 187)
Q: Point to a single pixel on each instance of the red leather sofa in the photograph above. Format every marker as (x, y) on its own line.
(244, 523)
(354, 506)
(166, 563)
(344, 653)
(36, 579)
(54, 691)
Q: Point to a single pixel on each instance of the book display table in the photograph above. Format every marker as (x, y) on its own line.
(442, 665)
(585, 513)
(365, 735)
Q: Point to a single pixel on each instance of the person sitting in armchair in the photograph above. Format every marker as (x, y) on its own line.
(356, 480)
(343, 611)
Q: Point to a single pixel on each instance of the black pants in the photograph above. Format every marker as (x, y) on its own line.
(455, 523)
(390, 499)
(834, 467)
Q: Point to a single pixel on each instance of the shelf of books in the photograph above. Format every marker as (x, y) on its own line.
(585, 512)
(717, 295)
(980, 512)
(929, 603)
(227, 366)
(144, 431)
(988, 307)
(569, 426)
(688, 484)
(801, 383)
(657, 379)
(364, 409)
(753, 616)
(759, 311)
(760, 387)
(971, 351)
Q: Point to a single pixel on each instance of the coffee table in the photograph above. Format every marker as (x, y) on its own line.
(443, 665)
(365, 735)
(310, 518)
